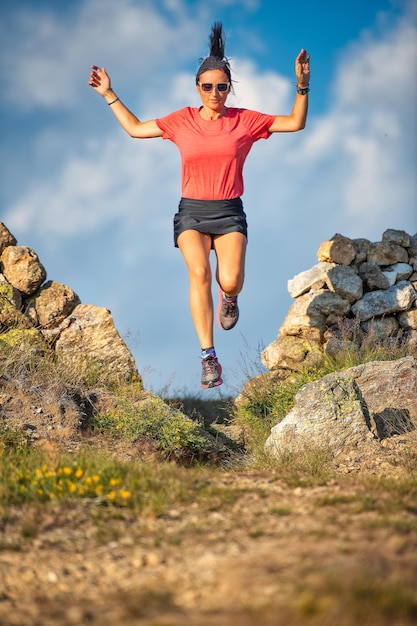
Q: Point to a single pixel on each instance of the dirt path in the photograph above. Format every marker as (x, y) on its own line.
(273, 555)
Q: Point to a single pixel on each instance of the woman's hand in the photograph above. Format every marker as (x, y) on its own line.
(302, 68)
(99, 80)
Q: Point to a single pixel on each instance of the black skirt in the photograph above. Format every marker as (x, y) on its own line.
(214, 217)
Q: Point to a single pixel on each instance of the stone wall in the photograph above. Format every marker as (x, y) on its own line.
(33, 309)
(358, 291)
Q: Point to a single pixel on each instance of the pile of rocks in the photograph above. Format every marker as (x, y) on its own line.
(359, 291)
(32, 309)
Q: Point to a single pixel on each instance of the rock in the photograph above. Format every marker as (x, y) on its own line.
(10, 303)
(402, 270)
(22, 339)
(408, 319)
(399, 237)
(412, 249)
(289, 352)
(387, 253)
(344, 281)
(372, 275)
(381, 329)
(361, 246)
(410, 340)
(6, 238)
(303, 282)
(377, 303)
(359, 406)
(91, 340)
(52, 304)
(311, 311)
(22, 269)
(339, 250)
(334, 346)
(391, 277)
(327, 414)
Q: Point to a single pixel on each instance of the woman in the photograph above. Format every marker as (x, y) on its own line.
(214, 141)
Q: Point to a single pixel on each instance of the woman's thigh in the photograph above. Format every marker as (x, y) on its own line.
(195, 248)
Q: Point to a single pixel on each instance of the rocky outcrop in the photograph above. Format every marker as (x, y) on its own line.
(361, 406)
(357, 291)
(52, 314)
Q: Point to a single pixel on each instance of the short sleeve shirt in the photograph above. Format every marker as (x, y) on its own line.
(213, 152)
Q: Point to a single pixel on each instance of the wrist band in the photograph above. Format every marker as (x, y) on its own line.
(303, 91)
(113, 101)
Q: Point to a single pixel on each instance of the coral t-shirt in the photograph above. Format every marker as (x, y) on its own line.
(213, 152)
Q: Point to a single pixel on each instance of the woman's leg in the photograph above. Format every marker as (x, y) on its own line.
(195, 248)
(230, 251)
(230, 273)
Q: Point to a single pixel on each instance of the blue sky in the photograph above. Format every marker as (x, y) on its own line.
(97, 206)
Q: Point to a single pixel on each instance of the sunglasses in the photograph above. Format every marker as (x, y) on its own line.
(209, 86)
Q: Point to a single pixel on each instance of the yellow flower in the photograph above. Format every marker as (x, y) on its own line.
(67, 471)
(114, 482)
(112, 495)
(78, 473)
(72, 486)
(124, 494)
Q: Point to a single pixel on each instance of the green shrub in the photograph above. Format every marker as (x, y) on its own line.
(170, 431)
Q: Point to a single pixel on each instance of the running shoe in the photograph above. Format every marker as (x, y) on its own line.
(211, 375)
(227, 311)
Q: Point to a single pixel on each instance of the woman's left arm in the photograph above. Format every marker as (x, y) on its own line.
(296, 120)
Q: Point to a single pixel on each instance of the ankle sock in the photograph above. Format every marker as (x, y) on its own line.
(206, 352)
(229, 298)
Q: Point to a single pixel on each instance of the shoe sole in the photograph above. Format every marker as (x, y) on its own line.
(219, 308)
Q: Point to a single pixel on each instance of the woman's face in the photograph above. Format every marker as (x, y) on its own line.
(213, 99)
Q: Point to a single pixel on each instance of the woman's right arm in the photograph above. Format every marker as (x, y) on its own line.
(100, 82)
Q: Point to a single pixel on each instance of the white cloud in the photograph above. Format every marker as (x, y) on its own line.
(44, 69)
(357, 146)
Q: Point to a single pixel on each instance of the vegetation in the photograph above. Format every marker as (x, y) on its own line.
(170, 474)
(181, 430)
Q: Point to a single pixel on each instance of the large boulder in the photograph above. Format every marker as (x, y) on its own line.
(88, 338)
(360, 406)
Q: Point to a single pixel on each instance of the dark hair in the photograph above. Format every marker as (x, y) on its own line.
(216, 59)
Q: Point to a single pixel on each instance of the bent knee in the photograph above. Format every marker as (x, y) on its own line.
(232, 285)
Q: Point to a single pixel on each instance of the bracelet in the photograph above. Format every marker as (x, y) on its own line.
(113, 101)
(303, 91)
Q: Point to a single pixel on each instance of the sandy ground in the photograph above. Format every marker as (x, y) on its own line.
(273, 555)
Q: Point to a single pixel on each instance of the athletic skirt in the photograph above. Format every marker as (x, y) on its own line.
(215, 217)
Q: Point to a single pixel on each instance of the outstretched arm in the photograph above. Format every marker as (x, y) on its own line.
(296, 120)
(100, 82)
